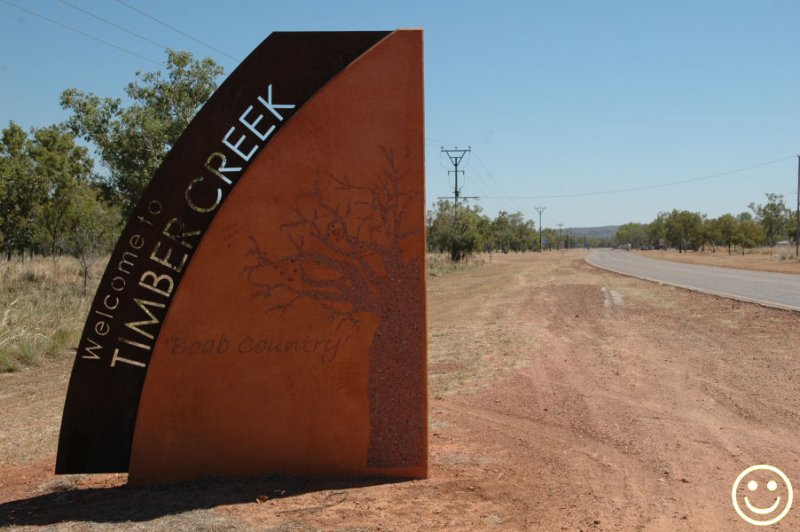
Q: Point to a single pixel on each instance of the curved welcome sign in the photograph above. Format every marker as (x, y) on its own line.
(264, 309)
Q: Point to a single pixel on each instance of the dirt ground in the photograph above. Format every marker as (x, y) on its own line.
(552, 408)
(779, 259)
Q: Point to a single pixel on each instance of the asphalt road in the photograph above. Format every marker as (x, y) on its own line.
(779, 290)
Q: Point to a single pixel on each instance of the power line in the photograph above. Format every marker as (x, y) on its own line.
(438, 142)
(496, 184)
(70, 28)
(456, 156)
(650, 187)
(473, 183)
(110, 23)
(476, 183)
(492, 184)
(176, 30)
(489, 182)
(503, 201)
(483, 191)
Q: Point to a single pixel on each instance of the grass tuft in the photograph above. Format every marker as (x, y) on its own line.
(440, 264)
(42, 310)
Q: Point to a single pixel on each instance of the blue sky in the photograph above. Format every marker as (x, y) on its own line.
(556, 98)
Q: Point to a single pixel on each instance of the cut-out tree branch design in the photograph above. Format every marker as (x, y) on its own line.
(352, 254)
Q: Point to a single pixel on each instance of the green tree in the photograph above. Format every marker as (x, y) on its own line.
(632, 233)
(455, 229)
(709, 233)
(22, 191)
(748, 233)
(525, 237)
(726, 227)
(93, 227)
(133, 138)
(683, 229)
(486, 236)
(549, 238)
(657, 230)
(791, 224)
(771, 216)
(511, 232)
(502, 232)
(61, 164)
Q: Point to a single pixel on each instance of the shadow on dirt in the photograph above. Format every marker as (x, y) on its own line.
(126, 504)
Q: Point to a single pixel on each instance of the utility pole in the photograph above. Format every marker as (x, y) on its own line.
(797, 214)
(559, 238)
(456, 156)
(540, 210)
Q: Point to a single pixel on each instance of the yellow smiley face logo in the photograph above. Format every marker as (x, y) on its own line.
(762, 495)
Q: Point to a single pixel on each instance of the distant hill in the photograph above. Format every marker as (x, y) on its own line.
(607, 231)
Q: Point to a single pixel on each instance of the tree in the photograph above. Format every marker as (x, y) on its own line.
(657, 230)
(93, 227)
(62, 165)
(502, 232)
(549, 237)
(771, 216)
(133, 139)
(683, 229)
(524, 231)
(791, 224)
(511, 232)
(486, 236)
(22, 190)
(634, 234)
(726, 227)
(455, 229)
(351, 270)
(709, 233)
(748, 232)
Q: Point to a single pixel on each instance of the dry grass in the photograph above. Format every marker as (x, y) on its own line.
(472, 321)
(440, 264)
(779, 259)
(42, 309)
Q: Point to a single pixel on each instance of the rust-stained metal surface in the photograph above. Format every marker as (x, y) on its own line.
(296, 341)
(240, 121)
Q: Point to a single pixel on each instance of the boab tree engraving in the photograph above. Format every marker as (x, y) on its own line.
(350, 255)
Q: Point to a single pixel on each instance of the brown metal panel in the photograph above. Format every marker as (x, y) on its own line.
(166, 227)
(296, 342)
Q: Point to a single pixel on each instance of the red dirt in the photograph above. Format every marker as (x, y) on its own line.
(550, 411)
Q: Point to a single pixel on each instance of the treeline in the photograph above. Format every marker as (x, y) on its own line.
(762, 224)
(60, 197)
(50, 202)
(460, 230)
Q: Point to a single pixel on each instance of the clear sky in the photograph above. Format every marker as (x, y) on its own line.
(555, 98)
